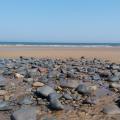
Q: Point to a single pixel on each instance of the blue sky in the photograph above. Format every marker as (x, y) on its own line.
(60, 20)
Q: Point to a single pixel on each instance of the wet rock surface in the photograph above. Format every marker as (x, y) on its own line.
(59, 89)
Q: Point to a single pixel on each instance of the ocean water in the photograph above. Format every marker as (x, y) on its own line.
(42, 44)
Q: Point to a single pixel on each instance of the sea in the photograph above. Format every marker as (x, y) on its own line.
(45, 44)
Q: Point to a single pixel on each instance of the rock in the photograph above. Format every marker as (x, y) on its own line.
(113, 79)
(83, 89)
(43, 79)
(111, 109)
(96, 77)
(7, 72)
(4, 106)
(67, 96)
(90, 101)
(56, 105)
(115, 67)
(2, 92)
(25, 101)
(71, 75)
(53, 96)
(32, 73)
(115, 85)
(2, 82)
(69, 83)
(38, 84)
(42, 70)
(45, 91)
(24, 114)
(28, 80)
(17, 75)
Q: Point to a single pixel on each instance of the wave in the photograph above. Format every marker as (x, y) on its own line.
(73, 45)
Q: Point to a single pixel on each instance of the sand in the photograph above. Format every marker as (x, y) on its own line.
(111, 53)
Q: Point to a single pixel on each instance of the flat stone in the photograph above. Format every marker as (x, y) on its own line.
(38, 84)
(111, 109)
(24, 114)
(4, 106)
(45, 90)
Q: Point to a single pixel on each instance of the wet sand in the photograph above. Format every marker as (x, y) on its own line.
(111, 53)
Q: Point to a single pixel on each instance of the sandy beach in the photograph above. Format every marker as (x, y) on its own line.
(110, 53)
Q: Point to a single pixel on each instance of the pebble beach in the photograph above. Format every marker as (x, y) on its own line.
(80, 85)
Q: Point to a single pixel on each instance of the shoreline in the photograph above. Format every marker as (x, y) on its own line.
(109, 53)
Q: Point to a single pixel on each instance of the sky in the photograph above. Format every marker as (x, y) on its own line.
(60, 20)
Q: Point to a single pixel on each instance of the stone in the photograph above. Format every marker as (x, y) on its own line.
(25, 101)
(113, 79)
(17, 75)
(45, 90)
(56, 105)
(96, 77)
(2, 92)
(83, 89)
(32, 73)
(115, 67)
(4, 106)
(115, 85)
(69, 83)
(67, 96)
(111, 109)
(2, 82)
(38, 84)
(53, 96)
(28, 80)
(24, 114)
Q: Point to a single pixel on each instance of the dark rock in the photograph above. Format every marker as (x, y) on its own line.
(24, 114)
(83, 89)
(56, 105)
(45, 91)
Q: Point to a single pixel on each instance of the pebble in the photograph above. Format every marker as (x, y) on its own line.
(45, 90)
(56, 105)
(83, 89)
(111, 109)
(4, 106)
(38, 84)
(113, 79)
(25, 114)
(17, 75)
(69, 83)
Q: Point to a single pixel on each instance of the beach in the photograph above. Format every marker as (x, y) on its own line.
(110, 53)
(41, 83)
